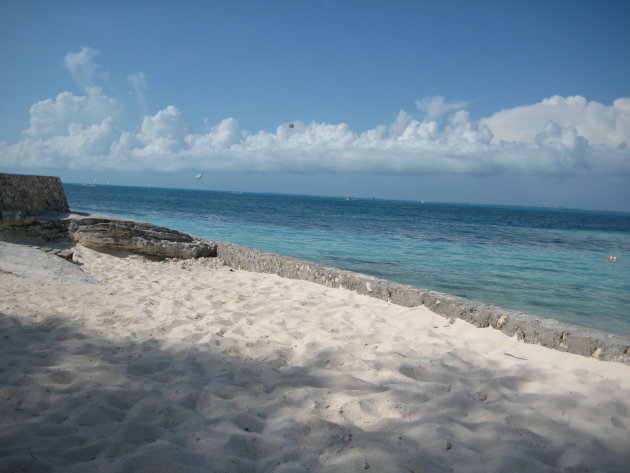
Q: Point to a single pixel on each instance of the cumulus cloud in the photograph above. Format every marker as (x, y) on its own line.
(53, 117)
(573, 137)
(437, 106)
(161, 140)
(597, 123)
(221, 136)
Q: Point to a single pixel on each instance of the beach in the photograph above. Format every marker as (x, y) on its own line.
(117, 362)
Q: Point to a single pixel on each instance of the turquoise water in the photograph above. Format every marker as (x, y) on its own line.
(547, 262)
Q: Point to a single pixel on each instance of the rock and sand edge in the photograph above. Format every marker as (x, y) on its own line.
(42, 213)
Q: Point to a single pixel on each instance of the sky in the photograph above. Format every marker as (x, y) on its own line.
(498, 102)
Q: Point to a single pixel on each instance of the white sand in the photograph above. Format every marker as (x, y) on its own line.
(131, 365)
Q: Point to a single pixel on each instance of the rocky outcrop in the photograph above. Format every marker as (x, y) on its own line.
(36, 207)
(114, 234)
(107, 233)
(24, 195)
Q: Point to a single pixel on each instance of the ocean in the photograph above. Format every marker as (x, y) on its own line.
(549, 262)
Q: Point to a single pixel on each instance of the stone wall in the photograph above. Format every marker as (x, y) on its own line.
(23, 195)
(528, 328)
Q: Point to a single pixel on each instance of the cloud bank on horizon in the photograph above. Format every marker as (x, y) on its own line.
(562, 136)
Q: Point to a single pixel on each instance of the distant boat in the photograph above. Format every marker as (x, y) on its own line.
(348, 198)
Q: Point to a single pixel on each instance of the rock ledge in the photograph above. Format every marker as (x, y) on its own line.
(113, 234)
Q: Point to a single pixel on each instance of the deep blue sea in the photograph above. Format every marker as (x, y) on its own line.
(547, 262)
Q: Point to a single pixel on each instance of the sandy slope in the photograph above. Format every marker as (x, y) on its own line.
(125, 364)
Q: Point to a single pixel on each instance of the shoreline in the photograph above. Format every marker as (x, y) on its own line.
(529, 328)
(24, 197)
(110, 232)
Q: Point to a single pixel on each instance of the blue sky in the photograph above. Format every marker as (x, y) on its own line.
(522, 102)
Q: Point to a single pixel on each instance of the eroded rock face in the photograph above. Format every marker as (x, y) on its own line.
(111, 233)
(36, 207)
(138, 237)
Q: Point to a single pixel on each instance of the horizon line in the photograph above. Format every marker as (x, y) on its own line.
(368, 199)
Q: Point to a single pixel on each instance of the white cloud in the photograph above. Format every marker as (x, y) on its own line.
(84, 142)
(53, 117)
(83, 147)
(437, 106)
(597, 123)
(164, 130)
(220, 137)
(83, 132)
(139, 84)
(81, 66)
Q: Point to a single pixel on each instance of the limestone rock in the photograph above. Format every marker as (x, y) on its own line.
(138, 237)
(23, 195)
(115, 234)
(36, 207)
